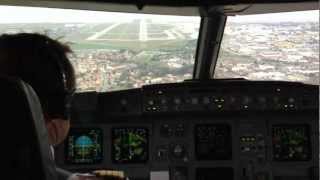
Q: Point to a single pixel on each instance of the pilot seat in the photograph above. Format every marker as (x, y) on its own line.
(25, 149)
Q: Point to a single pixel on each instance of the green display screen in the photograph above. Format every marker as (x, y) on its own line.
(291, 143)
(130, 145)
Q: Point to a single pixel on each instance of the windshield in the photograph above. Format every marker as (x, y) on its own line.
(114, 51)
(281, 46)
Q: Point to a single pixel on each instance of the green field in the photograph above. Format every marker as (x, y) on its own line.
(127, 31)
(132, 45)
(158, 35)
(158, 28)
(81, 34)
(120, 36)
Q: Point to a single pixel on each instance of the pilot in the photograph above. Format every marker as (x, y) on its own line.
(43, 63)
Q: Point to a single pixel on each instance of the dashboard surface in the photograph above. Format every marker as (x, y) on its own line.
(246, 130)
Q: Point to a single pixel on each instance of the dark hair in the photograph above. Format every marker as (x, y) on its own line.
(43, 63)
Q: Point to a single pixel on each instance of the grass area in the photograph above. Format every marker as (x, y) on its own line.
(122, 36)
(123, 31)
(158, 28)
(157, 35)
(85, 32)
(97, 27)
(132, 45)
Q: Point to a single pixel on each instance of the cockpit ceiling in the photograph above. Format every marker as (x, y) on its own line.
(177, 7)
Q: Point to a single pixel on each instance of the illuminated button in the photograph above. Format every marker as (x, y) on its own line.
(185, 159)
(177, 100)
(178, 151)
(151, 102)
(291, 100)
(159, 92)
(123, 102)
(162, 154)
(194, 100)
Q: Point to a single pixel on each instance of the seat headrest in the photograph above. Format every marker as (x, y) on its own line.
(24, 136)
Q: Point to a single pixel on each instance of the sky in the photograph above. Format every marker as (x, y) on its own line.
(15, 14)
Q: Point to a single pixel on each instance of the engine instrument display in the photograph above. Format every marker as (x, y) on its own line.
(130, 145)
(213, 142)
(291, 142)
(84, 146)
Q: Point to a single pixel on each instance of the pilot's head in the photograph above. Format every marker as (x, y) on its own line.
(43, 63)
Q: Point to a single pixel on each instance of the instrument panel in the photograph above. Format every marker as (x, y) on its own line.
(198, 131)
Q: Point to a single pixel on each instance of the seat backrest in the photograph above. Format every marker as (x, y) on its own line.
(24, 138)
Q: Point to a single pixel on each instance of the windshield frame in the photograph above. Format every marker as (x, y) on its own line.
(209, 41)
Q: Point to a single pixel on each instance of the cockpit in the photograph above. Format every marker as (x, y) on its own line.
(187, 90)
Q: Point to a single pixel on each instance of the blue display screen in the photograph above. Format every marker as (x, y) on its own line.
(84, 146)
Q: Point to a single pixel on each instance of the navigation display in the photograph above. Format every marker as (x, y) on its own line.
(84, 146)
(291, 143)
(130, 145)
